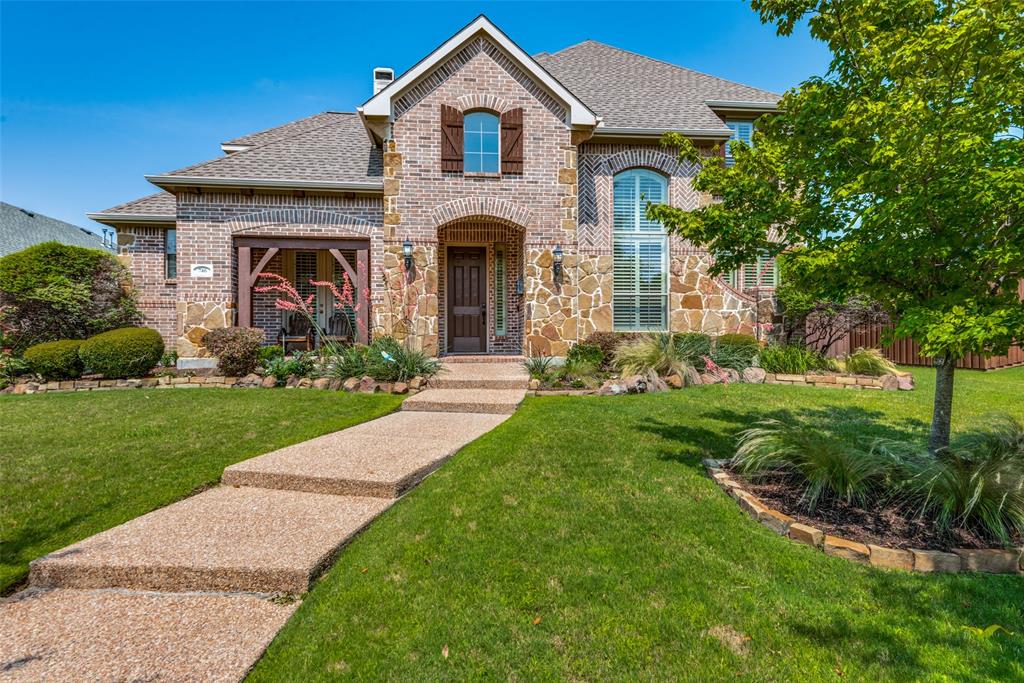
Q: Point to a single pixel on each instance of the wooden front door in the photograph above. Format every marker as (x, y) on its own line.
(467, 297)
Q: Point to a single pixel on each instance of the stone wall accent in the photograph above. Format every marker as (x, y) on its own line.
(143, 256)
(990, 560)
(406, 303)
(699, 302)
(594, 298)
(195, 319)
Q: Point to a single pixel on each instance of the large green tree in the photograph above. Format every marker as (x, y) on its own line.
(898, 174)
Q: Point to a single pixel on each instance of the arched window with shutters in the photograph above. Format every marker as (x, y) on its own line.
(481, 142)
(640, 249)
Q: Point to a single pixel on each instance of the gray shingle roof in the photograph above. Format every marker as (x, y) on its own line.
(159, 204)
(20, 229)
(338, 151)
(287, 130)
(632, 91)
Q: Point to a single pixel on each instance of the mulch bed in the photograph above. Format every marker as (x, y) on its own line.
(885, 524)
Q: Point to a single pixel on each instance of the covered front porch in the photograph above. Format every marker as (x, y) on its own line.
(304, 261)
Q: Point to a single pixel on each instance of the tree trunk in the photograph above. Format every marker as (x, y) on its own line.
(938, 439)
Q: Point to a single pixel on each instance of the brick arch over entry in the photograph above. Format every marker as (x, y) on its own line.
(252, 222)
(482, 208)
(472, 101)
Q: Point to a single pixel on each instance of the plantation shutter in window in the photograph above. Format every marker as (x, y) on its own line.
(500, 287)
(512, 141)
(742, 131)
(451, 139)
(639, 281)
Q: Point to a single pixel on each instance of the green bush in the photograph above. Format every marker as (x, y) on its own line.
(385, 360)
(126, 352)
(55, 360)
(11, 367)
(793, 360)
(353, 361)
(269, 353)
(826, 466)
(608, 342)
(591, 354)
(539, 367)
(977, 483)
(237, 349)
(693, 346)
(655, 352)
(868, 362)
(299, 365)
(57, 291)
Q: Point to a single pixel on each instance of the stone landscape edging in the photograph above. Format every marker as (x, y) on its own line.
(253, 381)
(988, 560)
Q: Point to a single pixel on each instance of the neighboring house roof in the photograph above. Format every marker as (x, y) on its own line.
(630, 91)
(21, 228)
(380, 104)
(337, 155)
(155, 208)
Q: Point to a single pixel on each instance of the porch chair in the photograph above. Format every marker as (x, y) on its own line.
(339, 329)
(295, 329)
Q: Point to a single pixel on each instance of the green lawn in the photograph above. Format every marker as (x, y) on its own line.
(581, 540)
(72, 465)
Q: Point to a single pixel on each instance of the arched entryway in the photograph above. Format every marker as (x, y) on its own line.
(480, 303)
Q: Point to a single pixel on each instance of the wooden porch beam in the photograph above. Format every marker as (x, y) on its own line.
(302, 243)
(340, 258)
(244, 287)
(263, 262)
(363, 295)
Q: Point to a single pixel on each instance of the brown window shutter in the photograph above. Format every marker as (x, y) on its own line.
(451, 139)
(512, 141)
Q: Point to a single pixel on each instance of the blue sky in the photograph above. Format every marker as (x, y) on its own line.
(94, 95)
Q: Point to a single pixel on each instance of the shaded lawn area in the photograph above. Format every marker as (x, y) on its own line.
(72, 465)
(581, 540)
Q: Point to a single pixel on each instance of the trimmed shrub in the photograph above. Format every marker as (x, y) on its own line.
(693, 346)
(126, 352)
(237, 349)
(57, 291)
(868, 362)
(591, 354)
(55, 360)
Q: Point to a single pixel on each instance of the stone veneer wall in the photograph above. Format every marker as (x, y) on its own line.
(697, 301)
(419, 198)
(208, 221)
(144, 258)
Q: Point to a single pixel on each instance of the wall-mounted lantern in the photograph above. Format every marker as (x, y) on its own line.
(520, 288)
(557, 257)
(407, 253)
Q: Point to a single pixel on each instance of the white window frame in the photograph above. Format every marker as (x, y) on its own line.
(635, 235)
(480, 135)
(737, 128)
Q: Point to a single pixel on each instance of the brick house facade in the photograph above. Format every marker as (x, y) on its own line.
(512, 185)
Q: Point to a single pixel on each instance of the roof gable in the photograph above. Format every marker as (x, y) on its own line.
(381, 105)
(631, 91)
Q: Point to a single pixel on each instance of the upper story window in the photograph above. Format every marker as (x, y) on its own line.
(481, 143)
(171, 254)
(742, 131)
(761, 275)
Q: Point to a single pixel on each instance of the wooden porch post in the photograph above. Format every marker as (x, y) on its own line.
(244, 287)
(363, 295)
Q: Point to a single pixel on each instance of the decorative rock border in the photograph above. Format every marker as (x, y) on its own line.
(989, 560)
(843, 381)
(366, 385)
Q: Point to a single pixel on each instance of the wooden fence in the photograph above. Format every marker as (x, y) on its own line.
(908, 352)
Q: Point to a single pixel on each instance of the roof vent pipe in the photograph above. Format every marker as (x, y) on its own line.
(382, 77)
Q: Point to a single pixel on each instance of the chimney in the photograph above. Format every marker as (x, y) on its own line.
(382, 76)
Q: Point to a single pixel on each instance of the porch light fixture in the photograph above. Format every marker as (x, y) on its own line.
(556, 263)
(519, 286)
(407, 252)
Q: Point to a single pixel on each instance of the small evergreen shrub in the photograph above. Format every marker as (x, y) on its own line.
(55, 360)
(539, 367)
(592, 354)
(385, 360)
(868, 362)
(237, 349)
(655, 352)
(11, 367)
(126, 352)
(269, 353)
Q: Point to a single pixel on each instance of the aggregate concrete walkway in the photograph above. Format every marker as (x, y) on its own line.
(196, 591)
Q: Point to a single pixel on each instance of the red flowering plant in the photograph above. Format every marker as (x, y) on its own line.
(289, 299)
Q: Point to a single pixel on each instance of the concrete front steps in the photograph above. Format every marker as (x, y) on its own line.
(164, 595)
